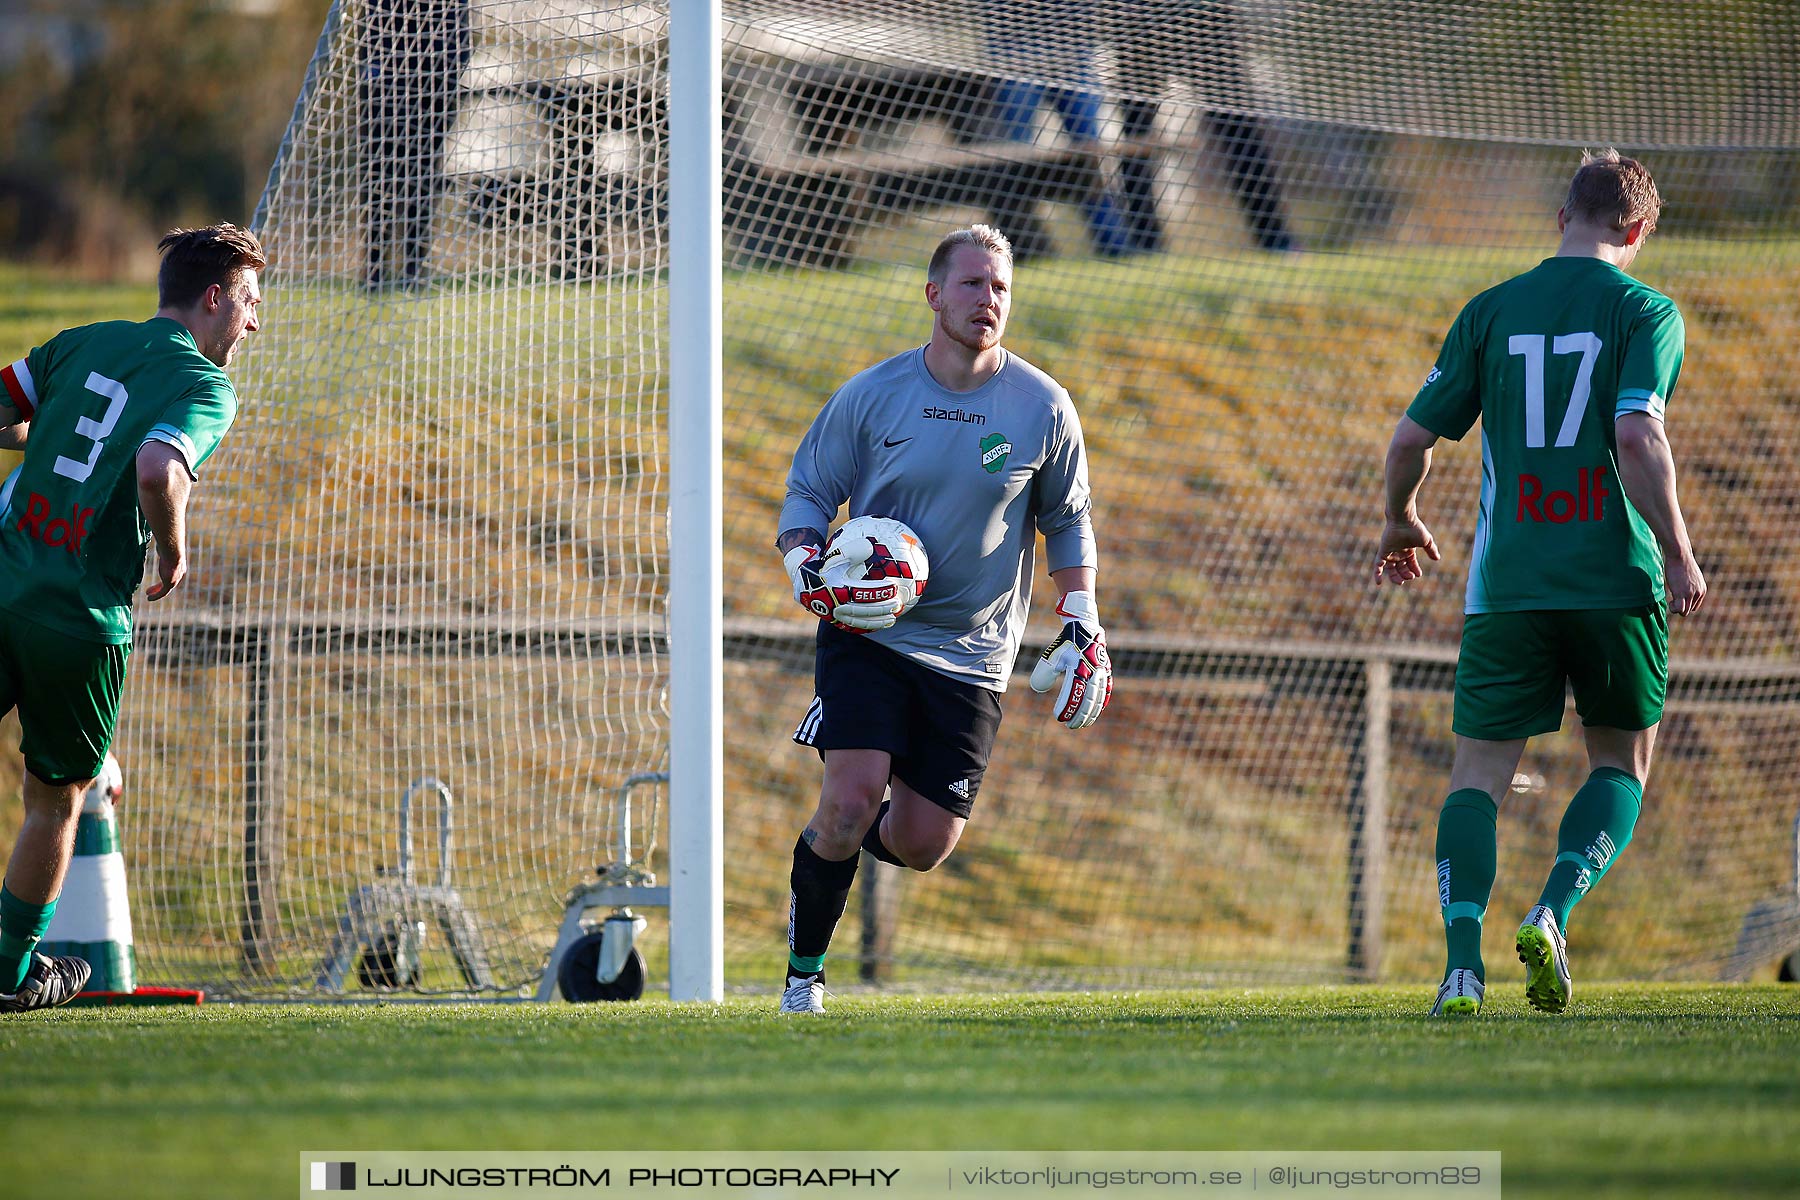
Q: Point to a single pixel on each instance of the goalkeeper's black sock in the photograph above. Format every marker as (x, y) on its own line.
(872, 840)
(821, 889)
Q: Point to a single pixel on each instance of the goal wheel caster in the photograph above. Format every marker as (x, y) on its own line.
(388, 963)
(576, 975)
(1790, 968)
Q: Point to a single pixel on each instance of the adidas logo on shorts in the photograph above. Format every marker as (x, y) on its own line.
(961, 788)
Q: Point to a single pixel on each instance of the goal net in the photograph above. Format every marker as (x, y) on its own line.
(435, 545)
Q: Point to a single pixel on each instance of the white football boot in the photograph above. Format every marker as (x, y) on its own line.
(1546, 958)
(1459, 995)
(805, 994)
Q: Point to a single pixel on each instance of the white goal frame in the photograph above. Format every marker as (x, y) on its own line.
(696, 507)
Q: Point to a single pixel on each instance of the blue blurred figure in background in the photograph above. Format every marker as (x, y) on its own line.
(1043, 51)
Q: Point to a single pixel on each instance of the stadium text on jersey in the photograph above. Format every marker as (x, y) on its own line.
(931, 413)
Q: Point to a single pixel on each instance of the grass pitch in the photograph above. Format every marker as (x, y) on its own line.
(1655, 1091)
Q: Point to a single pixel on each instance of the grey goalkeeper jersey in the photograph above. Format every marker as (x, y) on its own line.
(976, 474)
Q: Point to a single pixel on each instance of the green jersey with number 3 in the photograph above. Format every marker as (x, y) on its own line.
(72, 539)
(1548, 361)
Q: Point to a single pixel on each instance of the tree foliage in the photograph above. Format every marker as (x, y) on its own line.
(146, 113)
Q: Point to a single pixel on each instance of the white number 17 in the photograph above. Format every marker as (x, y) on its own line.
(1530, 347)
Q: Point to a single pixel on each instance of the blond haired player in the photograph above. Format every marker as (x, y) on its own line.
(977, 450)
(1580, 554)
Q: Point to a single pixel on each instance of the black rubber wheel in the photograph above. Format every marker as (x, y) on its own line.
(1789, 966)
(380, 968)
(576, 975)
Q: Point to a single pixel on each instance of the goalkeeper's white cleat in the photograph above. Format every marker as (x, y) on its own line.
(1546, 957)
(805, 994)
(1459, 995)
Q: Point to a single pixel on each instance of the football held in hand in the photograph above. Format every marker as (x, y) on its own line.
(877, 557)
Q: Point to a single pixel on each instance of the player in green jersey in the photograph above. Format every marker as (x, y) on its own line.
(115, 420)
(1580, 553)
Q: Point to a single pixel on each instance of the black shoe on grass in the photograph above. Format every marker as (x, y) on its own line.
(49, 982)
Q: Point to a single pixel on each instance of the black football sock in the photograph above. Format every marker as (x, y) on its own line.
(821, 889)
(872, 840)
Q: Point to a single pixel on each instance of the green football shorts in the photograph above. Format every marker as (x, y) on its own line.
(67, 692)
(1514, 667)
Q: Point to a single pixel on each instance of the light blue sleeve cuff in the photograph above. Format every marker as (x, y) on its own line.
(1639, 400)
(1071, 547)
(183, 444)
(801, 513)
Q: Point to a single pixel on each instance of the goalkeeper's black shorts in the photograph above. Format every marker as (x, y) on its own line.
(940, 731)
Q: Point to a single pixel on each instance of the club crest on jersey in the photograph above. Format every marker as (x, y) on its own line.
(994, 449)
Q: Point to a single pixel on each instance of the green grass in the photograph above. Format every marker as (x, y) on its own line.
(35, 303)
(1661, 1091)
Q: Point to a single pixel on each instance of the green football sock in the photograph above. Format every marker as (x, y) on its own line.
(1595, 829)
(21, 926)
(1467, 851)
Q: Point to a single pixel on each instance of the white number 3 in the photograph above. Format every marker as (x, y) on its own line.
(95, 431)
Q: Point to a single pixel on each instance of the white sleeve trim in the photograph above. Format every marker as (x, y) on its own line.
(27, 387)
(183, 444)
(1639, 400)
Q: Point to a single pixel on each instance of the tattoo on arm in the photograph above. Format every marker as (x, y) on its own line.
(809, 835)
(804, 535)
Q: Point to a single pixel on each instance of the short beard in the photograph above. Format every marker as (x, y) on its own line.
(979, 345)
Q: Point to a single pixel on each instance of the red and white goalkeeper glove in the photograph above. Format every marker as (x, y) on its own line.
(824, 588)
(1077, 658)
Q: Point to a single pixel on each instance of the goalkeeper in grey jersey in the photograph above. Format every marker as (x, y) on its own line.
(976, 450)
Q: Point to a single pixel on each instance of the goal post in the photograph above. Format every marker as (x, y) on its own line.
(696, 509)
(556, 288)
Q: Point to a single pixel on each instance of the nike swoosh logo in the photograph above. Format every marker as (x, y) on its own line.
(890, 443)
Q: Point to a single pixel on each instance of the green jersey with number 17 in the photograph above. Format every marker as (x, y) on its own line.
(1549, 360)
(72, 538)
